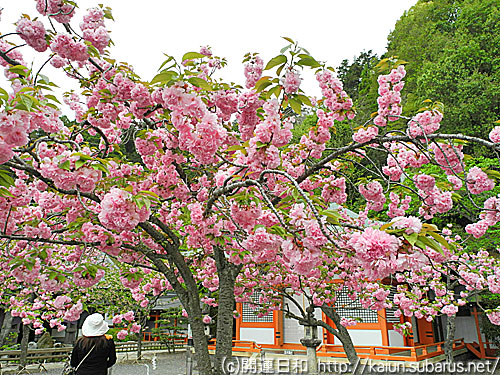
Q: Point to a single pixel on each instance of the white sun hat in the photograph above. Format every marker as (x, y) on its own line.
(94, 325)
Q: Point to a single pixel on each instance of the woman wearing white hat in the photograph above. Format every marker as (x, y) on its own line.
(95, 352)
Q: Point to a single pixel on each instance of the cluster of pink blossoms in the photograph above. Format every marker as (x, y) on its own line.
(226, 103)
(489, 217)
(291, 82)
(348, 322)
(67, 48)
(248, 103)
(271, 132)
(334, 190)
(389, 101)
(119, 213)
(398, 206)
(302, 261)
(85, 178)
(253, 71)
(495, 134)
(411, 224)
(199, 131)
(60, 10)
(449, 157)
(424, 123)
(400, 158)
(365, 134)
(478, 181)
(13, 133)
(336, 99)
(494, 317)
(376, 250)
(374, 194)
(33, 33)
(246, 215)
(94, 30)
(435, 201)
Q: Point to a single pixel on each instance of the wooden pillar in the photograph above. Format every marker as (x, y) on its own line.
(382, 319)
(479, 338)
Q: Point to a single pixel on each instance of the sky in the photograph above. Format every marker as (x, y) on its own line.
(331, 30)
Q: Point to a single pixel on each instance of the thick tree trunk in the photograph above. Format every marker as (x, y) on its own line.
(188, 294)
(204, 365)
(24, 346)
(227, 277)
(224, 349)
(139, 345)
(450, 336)
(6, 326)
(342, 334)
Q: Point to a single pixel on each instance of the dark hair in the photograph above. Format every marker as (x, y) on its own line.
(87, 342)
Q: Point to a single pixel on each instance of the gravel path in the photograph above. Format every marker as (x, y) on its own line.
(161, 364)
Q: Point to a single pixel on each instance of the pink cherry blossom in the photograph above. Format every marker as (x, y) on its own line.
(33, 33)
(122, 334)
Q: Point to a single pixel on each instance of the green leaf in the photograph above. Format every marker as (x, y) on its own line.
(164, 77)
(5, 193)
(309, 61)
(430, 243)
(53, 98)
(100, 167)
(441, 240)
(5, 179)
(262, 83)
(260, 144)
(3, 94)
(147, 192)
(198, 82)
(386, 226)
(276, 229)
(19, 69)
(280, 59)
(284, 49)
(83, 156)
(27, 101)
(276, 90)
(304, 99)
(280, 69)
(288, 39)
(296, 105)
(235, 148)
(79, 163)
(66, 165)
(492, 174)
(411, 238)
(192, 55)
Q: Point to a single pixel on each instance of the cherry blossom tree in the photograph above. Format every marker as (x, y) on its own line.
(197, 179)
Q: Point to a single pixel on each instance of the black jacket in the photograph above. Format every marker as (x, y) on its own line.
(97, 362)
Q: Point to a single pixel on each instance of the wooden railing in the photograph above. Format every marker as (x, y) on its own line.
(391, 353)
(239, 346)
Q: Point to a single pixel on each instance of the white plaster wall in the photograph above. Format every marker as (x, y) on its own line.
(363, 337)
(259, 335)
(465, 328)
(292, 330)
(395, 338)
